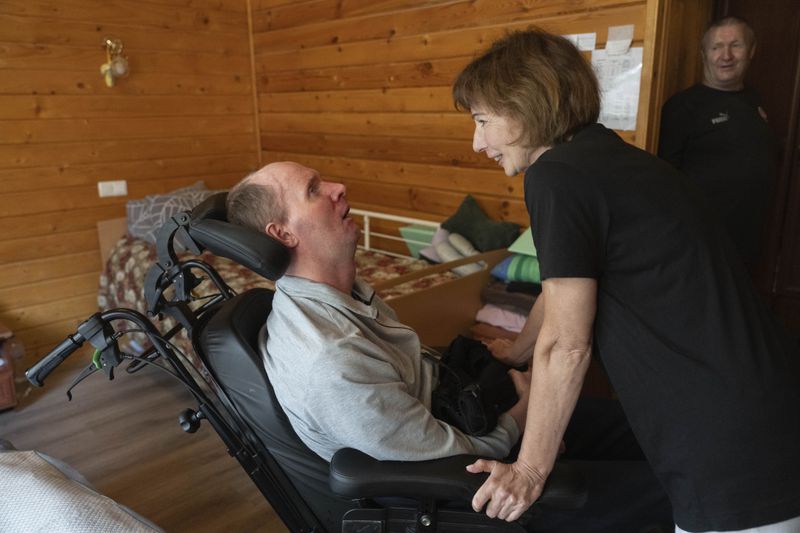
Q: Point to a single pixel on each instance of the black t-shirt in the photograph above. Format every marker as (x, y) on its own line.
(721, 139)
(710, 383)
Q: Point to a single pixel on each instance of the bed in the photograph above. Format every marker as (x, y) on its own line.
(428, 297)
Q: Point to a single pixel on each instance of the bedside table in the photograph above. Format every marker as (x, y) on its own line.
(8, 395)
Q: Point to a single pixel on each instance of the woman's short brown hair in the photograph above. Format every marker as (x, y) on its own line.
(540, 80)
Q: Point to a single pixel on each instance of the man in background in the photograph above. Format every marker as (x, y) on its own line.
(716, 132)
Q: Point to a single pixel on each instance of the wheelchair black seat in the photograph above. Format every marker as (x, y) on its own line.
(229, 342)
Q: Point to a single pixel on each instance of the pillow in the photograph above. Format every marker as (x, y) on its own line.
(429, 252)
(518, 267)
(148, 214)
(485, 234)
(448, 252)
(524, 244)
(198, 185)
(461, 244)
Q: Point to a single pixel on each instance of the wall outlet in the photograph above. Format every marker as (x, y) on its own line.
(112, 188)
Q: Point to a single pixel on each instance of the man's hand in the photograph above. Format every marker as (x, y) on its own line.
(522, 384)
(510, 489)
(519, 411)
(502, 351)
(521, 381)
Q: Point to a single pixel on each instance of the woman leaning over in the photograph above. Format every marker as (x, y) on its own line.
(637, 272)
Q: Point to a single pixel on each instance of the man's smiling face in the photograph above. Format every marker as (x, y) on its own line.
(726, 56)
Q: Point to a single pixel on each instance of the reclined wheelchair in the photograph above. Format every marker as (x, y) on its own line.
(354, 493)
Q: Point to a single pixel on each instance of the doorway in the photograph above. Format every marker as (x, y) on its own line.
(775, 75)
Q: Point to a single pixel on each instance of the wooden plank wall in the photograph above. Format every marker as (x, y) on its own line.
(360, 90)
(679, 28)
(186, 112)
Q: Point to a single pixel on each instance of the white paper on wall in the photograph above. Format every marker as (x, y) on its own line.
(587, 41)
(619, 39)
(582, 41)
(619, 77)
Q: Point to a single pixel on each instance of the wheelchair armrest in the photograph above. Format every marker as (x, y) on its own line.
(354, 474)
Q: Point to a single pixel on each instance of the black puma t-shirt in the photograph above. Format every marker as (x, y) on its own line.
(721, 139)
(710, 383)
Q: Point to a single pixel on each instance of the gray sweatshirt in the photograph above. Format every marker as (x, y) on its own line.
(348, 374)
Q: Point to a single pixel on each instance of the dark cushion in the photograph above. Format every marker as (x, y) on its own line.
(485, 234)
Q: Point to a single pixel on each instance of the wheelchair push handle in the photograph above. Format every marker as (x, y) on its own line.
(38, 372)
(96, 329)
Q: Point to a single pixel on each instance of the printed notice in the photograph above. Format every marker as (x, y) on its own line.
(619, 77)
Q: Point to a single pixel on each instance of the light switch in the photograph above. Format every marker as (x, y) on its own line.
(112, 188)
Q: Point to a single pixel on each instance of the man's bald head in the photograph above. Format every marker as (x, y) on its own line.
(257, 200)
(292, 204)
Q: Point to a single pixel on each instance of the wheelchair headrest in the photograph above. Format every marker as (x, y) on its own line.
(210, 230)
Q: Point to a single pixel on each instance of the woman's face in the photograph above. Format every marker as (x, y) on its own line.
(496, 135)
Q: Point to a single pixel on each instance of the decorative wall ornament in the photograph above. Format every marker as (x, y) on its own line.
(116, 65)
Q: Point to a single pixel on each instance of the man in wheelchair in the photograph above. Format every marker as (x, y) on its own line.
(349, 375)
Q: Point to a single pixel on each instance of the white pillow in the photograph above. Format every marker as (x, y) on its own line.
(447, 252)
(462, 245)
(429, 252)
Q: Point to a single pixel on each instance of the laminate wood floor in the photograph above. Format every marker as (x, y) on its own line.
(123, 436)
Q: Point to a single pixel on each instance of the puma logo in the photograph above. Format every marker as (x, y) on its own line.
(723, 117)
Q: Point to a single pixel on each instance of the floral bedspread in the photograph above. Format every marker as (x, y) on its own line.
(122, 282)
(375, 267)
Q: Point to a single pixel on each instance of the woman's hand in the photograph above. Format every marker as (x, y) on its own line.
(510, 489)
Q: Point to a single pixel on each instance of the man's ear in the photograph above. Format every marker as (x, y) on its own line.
(281, 234)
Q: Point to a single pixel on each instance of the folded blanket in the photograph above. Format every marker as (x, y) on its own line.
(497, 293)
(502, 318)
(518, 267)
